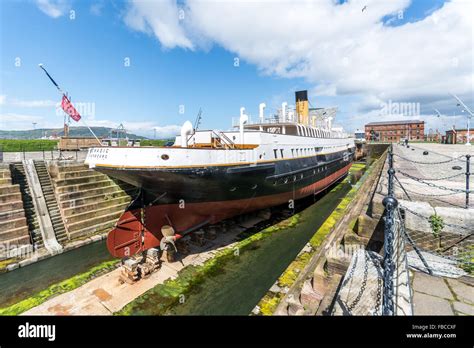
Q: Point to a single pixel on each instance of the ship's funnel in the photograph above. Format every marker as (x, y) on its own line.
(186, 130)
(261, 108)
(302, 109)
(243, 120)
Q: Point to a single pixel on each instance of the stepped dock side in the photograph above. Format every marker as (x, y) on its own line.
(14, 234)
(89, 202)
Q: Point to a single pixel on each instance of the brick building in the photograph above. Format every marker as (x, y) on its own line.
(458, 136)
(394, 131)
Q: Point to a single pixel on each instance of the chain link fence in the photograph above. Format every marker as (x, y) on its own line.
(441, 176)
(448, 250)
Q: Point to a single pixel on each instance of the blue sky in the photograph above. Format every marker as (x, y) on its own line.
(86, 56)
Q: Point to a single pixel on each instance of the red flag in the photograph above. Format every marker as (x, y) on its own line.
(69, 109)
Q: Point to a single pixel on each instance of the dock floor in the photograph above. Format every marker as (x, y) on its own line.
(106, 295)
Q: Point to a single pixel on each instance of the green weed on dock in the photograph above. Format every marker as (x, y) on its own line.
(59, 288)
(162, 297)
(270, 301)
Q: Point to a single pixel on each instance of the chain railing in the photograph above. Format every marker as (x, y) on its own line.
(453, 245)
(463, 160)
(448, 250)
(397, 298)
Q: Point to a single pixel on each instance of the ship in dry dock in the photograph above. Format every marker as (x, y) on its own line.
(207, 176)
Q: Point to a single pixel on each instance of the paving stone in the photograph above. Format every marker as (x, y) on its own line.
(463, 291)
(430, 285)
(275, 288)
(463, 308)
(430, 305)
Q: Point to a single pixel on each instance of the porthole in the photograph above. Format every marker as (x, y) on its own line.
(165, 157)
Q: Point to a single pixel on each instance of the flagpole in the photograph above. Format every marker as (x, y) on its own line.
(61, 92)
(100, 143)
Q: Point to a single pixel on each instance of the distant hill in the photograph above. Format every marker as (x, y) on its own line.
(73, 131)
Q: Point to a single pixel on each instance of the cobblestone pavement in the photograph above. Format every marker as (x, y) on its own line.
(441, 296)
(451, 175)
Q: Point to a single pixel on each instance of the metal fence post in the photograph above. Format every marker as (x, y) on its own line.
(468, 174)
(390, 203)
(391, 171)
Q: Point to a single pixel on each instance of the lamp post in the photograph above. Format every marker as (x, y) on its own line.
(470, 114)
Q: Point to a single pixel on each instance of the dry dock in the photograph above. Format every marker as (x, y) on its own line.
(432, 269)
(333, 267)
(105, 295)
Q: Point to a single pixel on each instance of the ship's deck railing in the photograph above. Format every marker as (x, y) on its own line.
(269, 120)
(290, 116)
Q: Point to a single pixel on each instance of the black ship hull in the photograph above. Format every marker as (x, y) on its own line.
(189, 197)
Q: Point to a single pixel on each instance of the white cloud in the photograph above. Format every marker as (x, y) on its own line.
(13, 121)
(34, 103)
(45, 103)
(337, 48)
(144, 128)
(96, 9)
(53, 8)
(169, 131)
(160, 18)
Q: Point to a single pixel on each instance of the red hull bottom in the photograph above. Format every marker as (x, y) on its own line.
(130, 236)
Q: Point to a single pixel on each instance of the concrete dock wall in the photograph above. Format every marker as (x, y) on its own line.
(14, 235)
(320, 271)
(90, 202)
